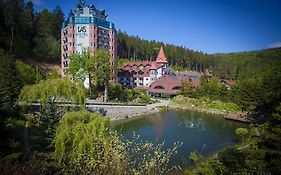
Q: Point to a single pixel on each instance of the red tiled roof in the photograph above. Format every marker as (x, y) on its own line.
(129, 68)
(170, 84)
(155, 65)
(136, 72)
(144, 63)
(161, 58)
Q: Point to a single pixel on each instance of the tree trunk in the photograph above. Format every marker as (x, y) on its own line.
(12, 39)
(90, 85)
(105, 91)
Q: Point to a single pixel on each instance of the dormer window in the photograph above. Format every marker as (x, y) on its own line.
(159, 87)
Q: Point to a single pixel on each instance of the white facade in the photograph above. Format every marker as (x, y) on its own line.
(82, 37)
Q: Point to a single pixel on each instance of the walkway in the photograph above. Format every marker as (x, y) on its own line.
(115, 112)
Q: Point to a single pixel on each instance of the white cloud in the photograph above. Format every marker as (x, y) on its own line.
(274, 45)
(37, 2)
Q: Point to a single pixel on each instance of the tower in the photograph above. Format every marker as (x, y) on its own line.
(87, 28)
(161, 58)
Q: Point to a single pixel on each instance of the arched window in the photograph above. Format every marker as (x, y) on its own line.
(176, 88)
(159, 87)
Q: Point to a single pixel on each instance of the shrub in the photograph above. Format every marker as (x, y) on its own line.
(84, 144)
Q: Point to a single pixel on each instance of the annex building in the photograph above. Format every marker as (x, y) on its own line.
(156, 77)
(87, 28)
(143, 73)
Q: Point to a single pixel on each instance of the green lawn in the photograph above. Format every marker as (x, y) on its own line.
(206, 103)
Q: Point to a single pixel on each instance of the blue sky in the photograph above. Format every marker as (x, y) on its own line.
(210, 26)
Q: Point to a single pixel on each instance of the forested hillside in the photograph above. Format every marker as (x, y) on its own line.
(29, 34)
(238, 65)
(26, 33)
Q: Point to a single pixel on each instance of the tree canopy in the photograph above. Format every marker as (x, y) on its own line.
(29, 34)
(94, 66)
(55, 90)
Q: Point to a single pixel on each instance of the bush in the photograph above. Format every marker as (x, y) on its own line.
(84, 144)
(117, 92)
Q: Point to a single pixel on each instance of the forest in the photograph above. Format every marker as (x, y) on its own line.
(239, 65)
(27, 34)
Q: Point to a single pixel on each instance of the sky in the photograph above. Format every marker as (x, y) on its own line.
(210, 26)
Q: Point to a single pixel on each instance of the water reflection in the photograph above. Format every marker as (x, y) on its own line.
(193, 123)
(204, 133)
(159, 124)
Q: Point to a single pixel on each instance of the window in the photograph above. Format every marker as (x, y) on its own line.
(146, 79)
(176, 88)
(141, 78)
(159, 87)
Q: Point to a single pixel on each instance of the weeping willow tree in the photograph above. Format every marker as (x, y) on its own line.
(48, 93)
(53, 90)
(85, 144)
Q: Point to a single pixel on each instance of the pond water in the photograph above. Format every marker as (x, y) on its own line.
(201, 132)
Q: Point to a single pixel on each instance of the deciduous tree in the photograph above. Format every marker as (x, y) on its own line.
(241, 132)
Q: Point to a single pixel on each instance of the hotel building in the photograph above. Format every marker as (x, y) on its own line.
(87, 29)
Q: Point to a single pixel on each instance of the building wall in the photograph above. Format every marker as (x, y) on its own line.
(137, 80)
(84, 30)
(146, 81)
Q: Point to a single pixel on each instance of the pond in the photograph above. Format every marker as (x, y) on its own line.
(201, 132)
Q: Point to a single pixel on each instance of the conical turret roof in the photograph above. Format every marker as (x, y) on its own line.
(161, 58)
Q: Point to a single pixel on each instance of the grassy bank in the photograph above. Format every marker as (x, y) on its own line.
(206, 104)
